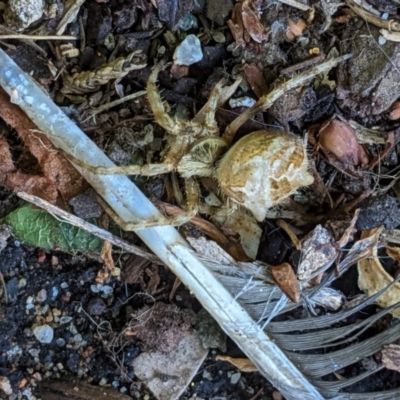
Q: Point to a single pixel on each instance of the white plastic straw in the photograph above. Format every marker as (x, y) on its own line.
(131, 205)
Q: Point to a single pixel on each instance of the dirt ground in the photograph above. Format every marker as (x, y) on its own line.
(85, 301)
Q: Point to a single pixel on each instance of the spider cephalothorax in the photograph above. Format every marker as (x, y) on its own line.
(257, 172)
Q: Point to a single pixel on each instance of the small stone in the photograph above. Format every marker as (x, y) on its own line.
(235, 378)
(78, 338)
(107, 290)
(22, 282)
(207, 375)
(5, 385)
(115, 384)
(44, 333)
(188, 22)
(29, 299)
(277, 395)
(60, 366)
(64, 285)
(60, 342)
(103, 382)
(96, 306)
(95, 288)
(242, 102)
(189, 51)
(41, 296)
(34, 352)
(123, 389)
(19, 14)
(54, 292)
(73, 329)
(49, 318)
(56, 312)
(146, 397)
(381, 40)
(30, 306)
(65, 320)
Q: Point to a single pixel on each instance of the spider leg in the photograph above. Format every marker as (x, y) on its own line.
(267, 100)
(145, 170)
(160, 115)
(218, 96)
(192, 200)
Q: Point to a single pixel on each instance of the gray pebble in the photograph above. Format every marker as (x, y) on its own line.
(235, 378)
(107, 289)
(41, 296)
(54, 292)
(96, 306)
(189, 51)
(65, 320)
(44, 333)
(60, 342)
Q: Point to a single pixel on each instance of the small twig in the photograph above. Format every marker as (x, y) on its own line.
(296, 4)
(93, 229)
(303, 64)
(37, 37)
(114, 103)
(389, 24)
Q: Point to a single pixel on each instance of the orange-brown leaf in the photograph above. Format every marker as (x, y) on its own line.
(285, 278)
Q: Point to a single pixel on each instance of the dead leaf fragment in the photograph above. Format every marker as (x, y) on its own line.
(394, 111)
(318, 251)
(372, 278)
(295, 29)
(243, 364)
(252, 22)
(339, 139)
(106, 256)
(391, 357)
(285, 278)
(245, 24)
(255, 79)
(58, 181)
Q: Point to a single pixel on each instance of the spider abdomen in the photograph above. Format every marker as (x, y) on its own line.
(262, 169)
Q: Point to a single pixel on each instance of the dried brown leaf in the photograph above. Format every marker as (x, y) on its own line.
(295, 29)
(252, 22)
(235, 25)
(59, 180)
(339, 139)
(106, 255)
(255, 78)
(285, 278)
(243, 364)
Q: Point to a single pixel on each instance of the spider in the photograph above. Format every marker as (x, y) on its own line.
(257, 172)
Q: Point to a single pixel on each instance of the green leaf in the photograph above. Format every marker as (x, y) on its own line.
(37, 227)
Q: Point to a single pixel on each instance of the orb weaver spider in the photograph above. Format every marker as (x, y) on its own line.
(257, 172)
